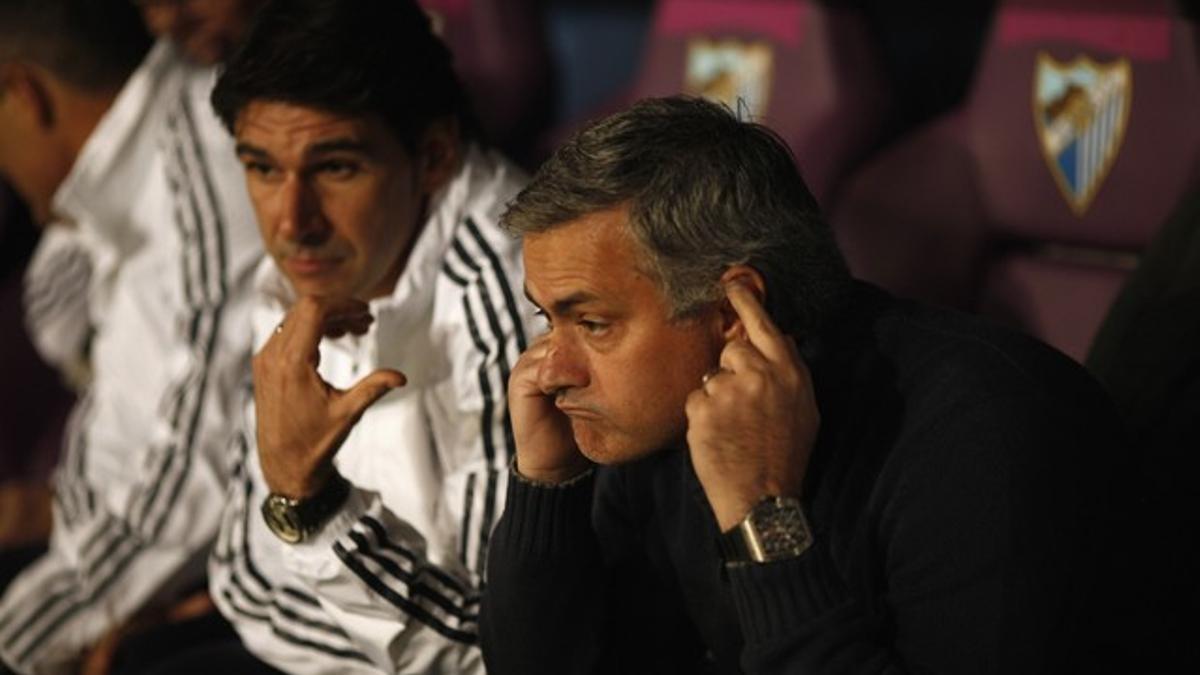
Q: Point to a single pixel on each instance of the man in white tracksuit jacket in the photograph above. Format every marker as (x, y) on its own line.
(354, 537)
(154, 244)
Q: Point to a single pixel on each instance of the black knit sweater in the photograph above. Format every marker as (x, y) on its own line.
(962, 496)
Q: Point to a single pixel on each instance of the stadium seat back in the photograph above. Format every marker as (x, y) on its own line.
(502, 54)
(809, 72)
(1031, 202)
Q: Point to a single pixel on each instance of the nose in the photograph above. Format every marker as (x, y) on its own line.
(563, 368)
(299, 213)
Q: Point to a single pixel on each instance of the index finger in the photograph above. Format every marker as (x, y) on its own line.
(305, 324)
(762, 332)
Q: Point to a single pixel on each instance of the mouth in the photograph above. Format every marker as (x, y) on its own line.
(577, 412)
(309, 266)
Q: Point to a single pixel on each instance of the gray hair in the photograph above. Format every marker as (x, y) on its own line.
(705, 191)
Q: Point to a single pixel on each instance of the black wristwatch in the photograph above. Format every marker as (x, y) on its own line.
(294, 520)
(775, 529)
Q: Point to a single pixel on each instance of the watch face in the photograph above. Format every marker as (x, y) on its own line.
(282, 519)
(777, 530)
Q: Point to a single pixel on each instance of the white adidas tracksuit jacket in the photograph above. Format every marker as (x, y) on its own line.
(391, 582)
(146, 279)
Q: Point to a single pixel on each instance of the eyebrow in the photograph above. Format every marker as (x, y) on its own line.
(564, 305)
(247, 149)
(339, 145)
(316, 149)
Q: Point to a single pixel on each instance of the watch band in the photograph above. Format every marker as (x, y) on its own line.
(294, 520)
(775, 529)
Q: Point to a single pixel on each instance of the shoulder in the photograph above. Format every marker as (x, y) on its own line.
(937, 351)
(955, 389)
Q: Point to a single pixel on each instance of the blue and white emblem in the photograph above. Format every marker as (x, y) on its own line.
(1080, 111)
(732, 72)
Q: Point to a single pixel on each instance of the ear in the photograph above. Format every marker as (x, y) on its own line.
(439, 154)
(30, 94)
(751, 278)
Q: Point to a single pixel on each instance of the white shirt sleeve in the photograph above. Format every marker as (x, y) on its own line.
(373, 590)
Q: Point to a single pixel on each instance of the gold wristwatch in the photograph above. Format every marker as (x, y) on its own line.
(294, 520)
(775, 529)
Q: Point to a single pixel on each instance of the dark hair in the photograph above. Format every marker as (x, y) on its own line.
(91, 44)
(348, 57)
(705, 191)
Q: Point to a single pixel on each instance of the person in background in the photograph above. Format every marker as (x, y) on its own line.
(206, 31)
(355, 535)
(732, 457)
(119, 157)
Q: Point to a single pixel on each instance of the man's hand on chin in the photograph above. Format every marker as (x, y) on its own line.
(302, 420)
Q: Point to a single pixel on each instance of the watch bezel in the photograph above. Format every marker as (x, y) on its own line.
(282, 519)
(294, 520)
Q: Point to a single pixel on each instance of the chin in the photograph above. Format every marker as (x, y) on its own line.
(607, 447)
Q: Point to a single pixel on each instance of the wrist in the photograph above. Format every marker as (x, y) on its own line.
(296, 520)
(731, 503)
(299, 486)
(774, 529)
(550, 475)
(731, 511)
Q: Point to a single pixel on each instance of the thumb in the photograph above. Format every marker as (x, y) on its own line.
(371, 388)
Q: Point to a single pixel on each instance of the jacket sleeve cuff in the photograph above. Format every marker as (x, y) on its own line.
(547, 521)
(775, 598)
(314, 557)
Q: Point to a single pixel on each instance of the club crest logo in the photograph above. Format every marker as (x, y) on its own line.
(728, 70)
(1080, 111)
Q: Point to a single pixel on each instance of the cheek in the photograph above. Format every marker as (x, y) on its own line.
(644, 401)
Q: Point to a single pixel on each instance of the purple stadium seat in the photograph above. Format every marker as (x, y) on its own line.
(502, 54)
(1031, 202)
(805, 70)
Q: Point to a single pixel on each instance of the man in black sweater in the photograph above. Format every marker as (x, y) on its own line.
(732, 457)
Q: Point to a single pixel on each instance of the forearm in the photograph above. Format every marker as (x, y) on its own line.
(798, 615)
(95, 577)
(544, 611)
(407, 606)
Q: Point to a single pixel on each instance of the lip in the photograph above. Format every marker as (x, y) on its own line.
(578, 413)
(307, 266)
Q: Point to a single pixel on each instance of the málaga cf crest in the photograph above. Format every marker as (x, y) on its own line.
(729, 71)
(1080, 110)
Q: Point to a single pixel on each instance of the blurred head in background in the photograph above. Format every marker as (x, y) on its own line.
(206, 30)
(62, 63)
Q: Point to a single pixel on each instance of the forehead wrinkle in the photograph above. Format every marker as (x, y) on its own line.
(298, 130)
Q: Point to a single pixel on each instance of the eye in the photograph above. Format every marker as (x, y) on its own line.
(338, 169)
(593, 327)
(541, 314)
(259, 168)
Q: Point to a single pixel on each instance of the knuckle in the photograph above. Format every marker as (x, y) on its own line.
(754, 382)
